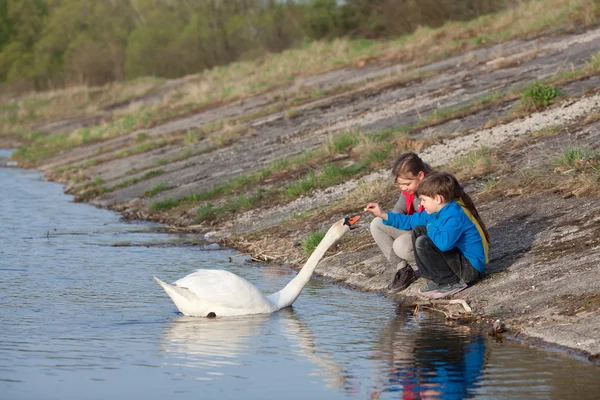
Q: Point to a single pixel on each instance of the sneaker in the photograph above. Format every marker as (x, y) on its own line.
(448, 290)
(403, 278)
(430, 287)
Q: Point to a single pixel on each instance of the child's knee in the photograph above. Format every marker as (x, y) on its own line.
(376, 224)
(403, 247)
(423, 243)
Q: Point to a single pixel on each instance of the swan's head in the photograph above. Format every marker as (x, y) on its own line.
(338, 229)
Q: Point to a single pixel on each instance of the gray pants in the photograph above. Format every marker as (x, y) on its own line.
(395, 244)
(442, 267)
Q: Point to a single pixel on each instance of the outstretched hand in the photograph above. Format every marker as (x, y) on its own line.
(374, 209)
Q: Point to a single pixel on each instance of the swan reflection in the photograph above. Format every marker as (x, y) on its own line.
(215, 345)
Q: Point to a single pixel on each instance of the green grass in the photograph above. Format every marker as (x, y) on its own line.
(342, 142)
(208, 212)
(538, 95)
(445, 114)
(133, 181)
(379, 150)
(481, 157)
(548, 131)
(582, 159)
(163, 205)
(310, 243)
(160, 187)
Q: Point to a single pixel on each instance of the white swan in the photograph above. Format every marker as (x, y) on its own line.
(209, 293)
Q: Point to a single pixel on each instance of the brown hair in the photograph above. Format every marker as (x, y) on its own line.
(410, 163)
(446, 185)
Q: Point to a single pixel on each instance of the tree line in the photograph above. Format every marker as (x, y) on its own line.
(56, 43)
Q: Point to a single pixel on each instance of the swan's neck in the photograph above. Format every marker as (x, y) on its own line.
(286, 296)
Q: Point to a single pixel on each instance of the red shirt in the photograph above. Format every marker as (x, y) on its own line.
(410, 198)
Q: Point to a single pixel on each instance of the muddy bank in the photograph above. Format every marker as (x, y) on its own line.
(543, 276)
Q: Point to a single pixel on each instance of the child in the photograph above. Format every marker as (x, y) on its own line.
(396, 244)
(449, 237)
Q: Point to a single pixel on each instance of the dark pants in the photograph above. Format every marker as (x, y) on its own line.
(442, 267)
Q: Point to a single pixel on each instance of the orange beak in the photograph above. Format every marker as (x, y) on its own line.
(352, 220)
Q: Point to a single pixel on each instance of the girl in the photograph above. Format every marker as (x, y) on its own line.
(449, 238)
(396, 244)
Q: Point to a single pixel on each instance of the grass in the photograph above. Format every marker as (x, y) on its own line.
(163, 205)
(364, 152)
(215, 85)
(208, 212)
(537, 96)
(133, 181)
(311, 242)
(477, 162)
(575, 172)
(160, 187)
(342, 142)
(579, 159)
(344, 155)
(446, 114)
(328, 174)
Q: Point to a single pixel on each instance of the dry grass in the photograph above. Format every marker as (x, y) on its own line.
(288, 69)
(20, 115)
(245, 78)
(477, 163)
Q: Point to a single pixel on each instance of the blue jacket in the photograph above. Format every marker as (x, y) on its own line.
(451, 227)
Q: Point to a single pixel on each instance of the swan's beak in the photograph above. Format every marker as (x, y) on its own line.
(351, 221)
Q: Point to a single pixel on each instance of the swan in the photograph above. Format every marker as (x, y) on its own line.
(211, 293)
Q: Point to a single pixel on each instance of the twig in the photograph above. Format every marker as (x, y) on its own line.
(443, 302)
(364, 246)
(238, 255)
(437, 309)
(416, 312)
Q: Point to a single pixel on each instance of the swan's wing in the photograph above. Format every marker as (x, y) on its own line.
(223, 288)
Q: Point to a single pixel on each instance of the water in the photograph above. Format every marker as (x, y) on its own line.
(82, 318)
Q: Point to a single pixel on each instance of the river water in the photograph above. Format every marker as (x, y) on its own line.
(82, 318)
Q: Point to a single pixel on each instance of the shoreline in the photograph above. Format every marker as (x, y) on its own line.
(262, 174)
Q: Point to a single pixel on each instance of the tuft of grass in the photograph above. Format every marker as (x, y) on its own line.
(548, 131)
(537, 95)
(133, 181)
(141, 137)
(477, 162)
(160, 187)
(163, 205)
(445, 114)
(342, 142)
(292, 113)
(305, 185)
(580, 159)
(310, 243)
(209, 212)
(489, 185)
(205, 212)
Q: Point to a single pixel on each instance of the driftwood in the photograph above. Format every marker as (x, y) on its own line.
(238, 255)
(433, 302)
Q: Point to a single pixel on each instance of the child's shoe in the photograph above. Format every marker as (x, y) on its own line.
(447, 290)
(429, 288)
(403, 278)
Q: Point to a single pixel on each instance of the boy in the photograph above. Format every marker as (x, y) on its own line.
(449, 238)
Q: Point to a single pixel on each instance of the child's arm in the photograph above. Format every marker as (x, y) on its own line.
(398, 221)
(406, 222)
(445, 234)
(374, 209)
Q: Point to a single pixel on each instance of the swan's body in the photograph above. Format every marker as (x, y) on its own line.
(226, 294)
